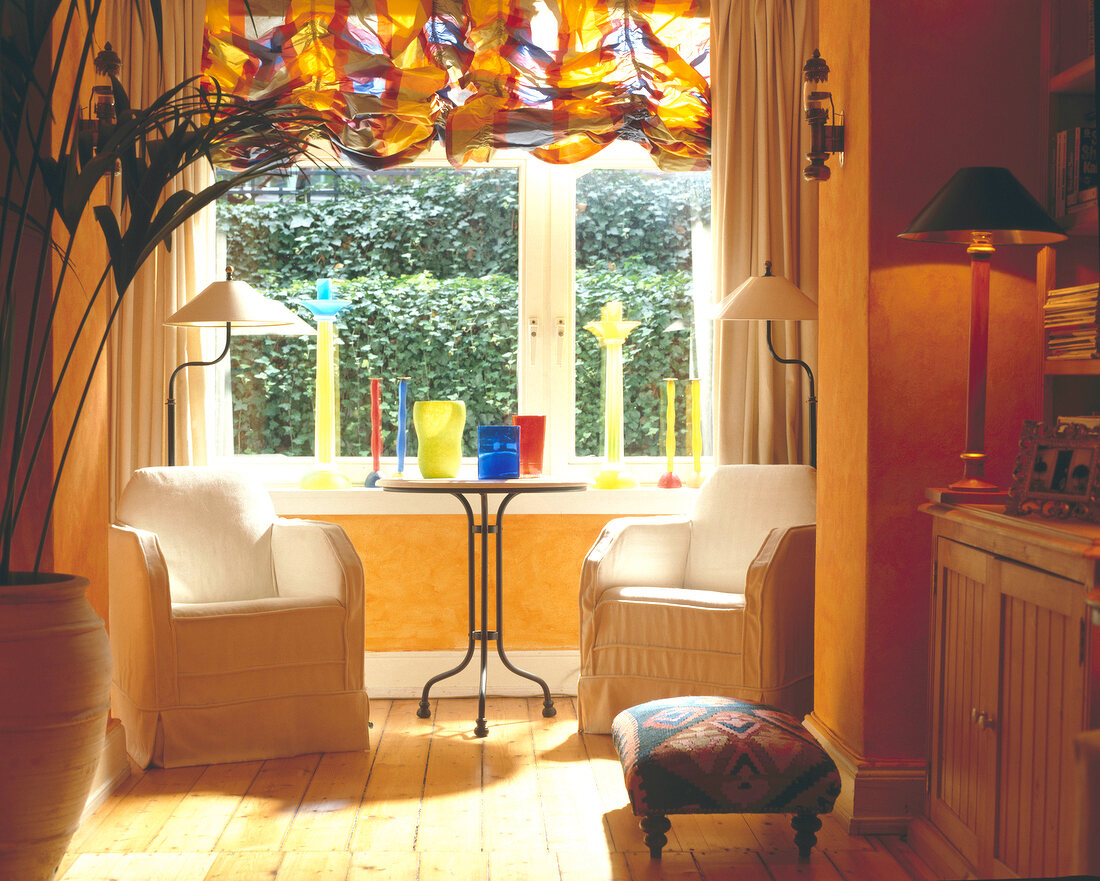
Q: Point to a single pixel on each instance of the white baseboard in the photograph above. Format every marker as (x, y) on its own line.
(114, 767)
(877, 796)
(403, 674)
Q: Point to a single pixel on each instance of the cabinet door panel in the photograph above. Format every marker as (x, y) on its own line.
(957, 681)
(1041, 687)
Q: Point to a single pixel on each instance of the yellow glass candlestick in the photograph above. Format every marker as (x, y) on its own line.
(669, 480)
(696, 477)
(325, 309)
(611, 332)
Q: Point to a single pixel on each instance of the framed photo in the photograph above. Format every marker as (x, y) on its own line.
(1057, 472)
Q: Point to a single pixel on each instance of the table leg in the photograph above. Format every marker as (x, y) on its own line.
(481, 729)
(425, 711)
(548, 708)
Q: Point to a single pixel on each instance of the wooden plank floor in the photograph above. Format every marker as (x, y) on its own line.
(533, 801)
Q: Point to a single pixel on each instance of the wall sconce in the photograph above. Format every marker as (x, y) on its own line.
(94, 129)
(817, 104)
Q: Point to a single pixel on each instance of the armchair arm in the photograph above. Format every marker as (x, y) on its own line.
(139, 618)
(637, 551)
(779, 609)
(634, 551)
(315, 558)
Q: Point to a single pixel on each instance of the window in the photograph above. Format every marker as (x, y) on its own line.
(476, 284)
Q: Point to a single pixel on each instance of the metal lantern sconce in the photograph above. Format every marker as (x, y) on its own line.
(95, 128)
(817, 103)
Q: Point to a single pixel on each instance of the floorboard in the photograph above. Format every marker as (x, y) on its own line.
(533, 801)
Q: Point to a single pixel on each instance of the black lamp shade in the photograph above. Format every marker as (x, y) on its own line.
(984, 199)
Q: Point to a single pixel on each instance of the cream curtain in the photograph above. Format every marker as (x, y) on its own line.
(144, 351)
(762, 211)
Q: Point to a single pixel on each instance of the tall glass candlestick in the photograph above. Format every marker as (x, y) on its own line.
(402, 397)
(669, 480)
(325, 308)
(375, 431)
(611, 332)
(696, 477)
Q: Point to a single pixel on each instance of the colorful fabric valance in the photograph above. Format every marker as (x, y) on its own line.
(559, 78)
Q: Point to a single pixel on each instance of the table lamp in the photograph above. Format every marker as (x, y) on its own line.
(771, 298)
(980, 207)
(234, 304)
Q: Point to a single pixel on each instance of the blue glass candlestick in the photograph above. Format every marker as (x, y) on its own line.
(402, 398)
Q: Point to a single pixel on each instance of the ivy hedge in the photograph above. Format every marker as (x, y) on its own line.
(429, 263)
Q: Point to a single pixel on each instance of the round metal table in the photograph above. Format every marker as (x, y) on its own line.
(506, 490)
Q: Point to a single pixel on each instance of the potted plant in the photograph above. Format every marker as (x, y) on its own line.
(54, 657)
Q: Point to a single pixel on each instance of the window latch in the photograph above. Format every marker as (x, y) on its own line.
(532, 339)
(561, 339)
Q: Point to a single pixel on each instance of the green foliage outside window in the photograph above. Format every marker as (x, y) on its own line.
(429, 261)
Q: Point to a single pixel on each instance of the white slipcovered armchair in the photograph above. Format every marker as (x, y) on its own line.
(716, 603)
(236, 634)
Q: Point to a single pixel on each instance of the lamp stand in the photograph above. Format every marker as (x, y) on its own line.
(973, 456)
(170, 403)
(813, 396)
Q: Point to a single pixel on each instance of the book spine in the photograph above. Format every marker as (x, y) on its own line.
(1060, 174)
(1073, 165)
(1086, 191)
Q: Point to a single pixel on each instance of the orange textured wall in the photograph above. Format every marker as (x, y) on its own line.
(928, 88)
(844, 422)
(416, 576)
(81, 512)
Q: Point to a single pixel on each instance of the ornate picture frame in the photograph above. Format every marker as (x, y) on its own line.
(1057, 473)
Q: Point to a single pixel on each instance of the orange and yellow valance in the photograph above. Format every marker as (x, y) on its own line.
(559, 78)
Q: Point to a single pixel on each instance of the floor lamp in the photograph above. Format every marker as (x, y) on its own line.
(980, 207)
(234, 304)
(770, 298)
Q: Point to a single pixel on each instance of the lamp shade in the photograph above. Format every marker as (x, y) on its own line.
(298, 328)
(984, 199)
(767, 298)
(233, 302)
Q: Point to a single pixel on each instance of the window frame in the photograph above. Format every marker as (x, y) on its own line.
(545, 372)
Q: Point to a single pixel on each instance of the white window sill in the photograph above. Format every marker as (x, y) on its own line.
(292, 502)
(281, 476)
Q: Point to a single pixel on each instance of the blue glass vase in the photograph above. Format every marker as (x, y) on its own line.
(497, 452)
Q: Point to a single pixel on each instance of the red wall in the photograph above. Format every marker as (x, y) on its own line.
(928, 88)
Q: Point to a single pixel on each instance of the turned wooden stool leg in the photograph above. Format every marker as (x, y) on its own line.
(655, 826)
(805, 824)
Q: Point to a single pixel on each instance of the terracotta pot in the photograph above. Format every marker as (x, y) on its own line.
(55, 678)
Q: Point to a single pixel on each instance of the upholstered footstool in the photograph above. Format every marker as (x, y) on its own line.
(717, 755)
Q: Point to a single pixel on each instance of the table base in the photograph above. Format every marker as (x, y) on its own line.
(484, 635)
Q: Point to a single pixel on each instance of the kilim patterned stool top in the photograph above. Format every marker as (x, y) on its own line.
(717, 755)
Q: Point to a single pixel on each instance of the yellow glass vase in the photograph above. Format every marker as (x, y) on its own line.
(438, 426)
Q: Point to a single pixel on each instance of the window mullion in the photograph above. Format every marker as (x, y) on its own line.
(559, 350)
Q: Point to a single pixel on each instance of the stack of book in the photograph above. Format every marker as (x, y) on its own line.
(1070, 322)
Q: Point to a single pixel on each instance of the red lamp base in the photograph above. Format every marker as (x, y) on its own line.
(950, 495)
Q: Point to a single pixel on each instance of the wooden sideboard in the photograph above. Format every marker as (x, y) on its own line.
(1012, 681)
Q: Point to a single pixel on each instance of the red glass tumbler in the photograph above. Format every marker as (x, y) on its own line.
(532, 436)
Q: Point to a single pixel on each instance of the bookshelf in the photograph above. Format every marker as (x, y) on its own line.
(1068, 71)
(1070, 386)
